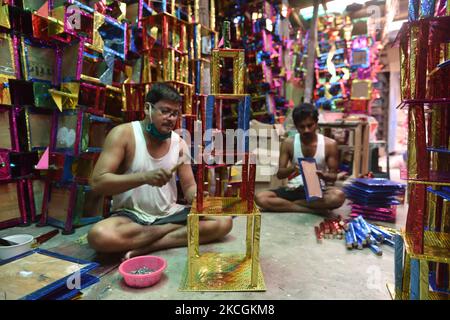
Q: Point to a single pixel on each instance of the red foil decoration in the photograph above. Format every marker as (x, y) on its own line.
(200, 168)
(416, 215)
(93, 97)
(251, 183)
(244, 180)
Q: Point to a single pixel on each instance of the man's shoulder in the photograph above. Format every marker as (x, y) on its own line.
(329, 141)
(123, 128)
(121, 132)
(288, 144)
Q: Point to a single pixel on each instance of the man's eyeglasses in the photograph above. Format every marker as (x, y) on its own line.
(168, 113)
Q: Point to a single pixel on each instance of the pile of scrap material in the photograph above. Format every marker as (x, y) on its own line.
(374, 199)
(357, 233)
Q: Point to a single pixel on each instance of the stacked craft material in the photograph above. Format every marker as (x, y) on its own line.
(330, 229)
(360, 234)
(374, 199)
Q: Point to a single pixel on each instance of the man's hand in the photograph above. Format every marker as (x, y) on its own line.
(326, 176)
(158, 177)
(295, 171)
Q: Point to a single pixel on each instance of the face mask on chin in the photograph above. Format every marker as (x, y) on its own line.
(151, 130)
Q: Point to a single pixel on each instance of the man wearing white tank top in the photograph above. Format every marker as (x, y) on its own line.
(138, 167)
(307, 143)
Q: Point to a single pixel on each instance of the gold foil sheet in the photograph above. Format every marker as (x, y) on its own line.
(97, 40)
(438, 296)
(403, 75)
(212, 12)
(412, 142)
(435, 135)
(67, 98)
(423, 280)
(4, 16)
(239, 73)
(413, 59)
(431, 205)
(5, 97)
(196, 11)
(227, 206)
(406, 277)
(238, 57)
(215, 72)
(436, 247)
(55, 26)
(7, 63)
(255, 250)
(249, 236)
(223, 272)
(445, 220)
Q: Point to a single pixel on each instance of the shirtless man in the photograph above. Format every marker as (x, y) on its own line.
(137, 167)
(307, 143)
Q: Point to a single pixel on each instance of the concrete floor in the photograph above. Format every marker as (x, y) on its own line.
(294, 265)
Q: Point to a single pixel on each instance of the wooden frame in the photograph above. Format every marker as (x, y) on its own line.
(8, 128)
(8, 63)
(65, 205)
(39, 61)
(31, 93)
(78, 132)
(12, 204)
(37, 123)
(55, 268)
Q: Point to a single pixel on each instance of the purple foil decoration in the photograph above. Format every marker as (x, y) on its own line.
(80, 59)
(15, 42)
(58, 71)
(360, 43)
(441, 9)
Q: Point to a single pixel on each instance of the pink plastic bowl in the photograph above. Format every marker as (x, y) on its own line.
(155, 263)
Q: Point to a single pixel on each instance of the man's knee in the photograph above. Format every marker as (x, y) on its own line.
(101, 239)
(224, 226)
(337, 198)
(261, 199)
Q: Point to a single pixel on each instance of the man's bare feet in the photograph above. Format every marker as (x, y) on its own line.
(135, 253)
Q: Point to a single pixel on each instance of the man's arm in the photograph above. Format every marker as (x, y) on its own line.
(285, 156)
(187, 180)
(104, 178)
(332, 159)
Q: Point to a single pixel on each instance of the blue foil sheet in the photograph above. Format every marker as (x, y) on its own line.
(413, 10)
(364, 224)
(349, 239)
(398, 263)
(351, 229)
(376, 249)
(389, 242)
(427, 8)
(378, 235)
(414, 293)
(359, 230)
(385, 234)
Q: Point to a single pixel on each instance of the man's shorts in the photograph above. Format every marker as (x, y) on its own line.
(290, 194)
(176, 218)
